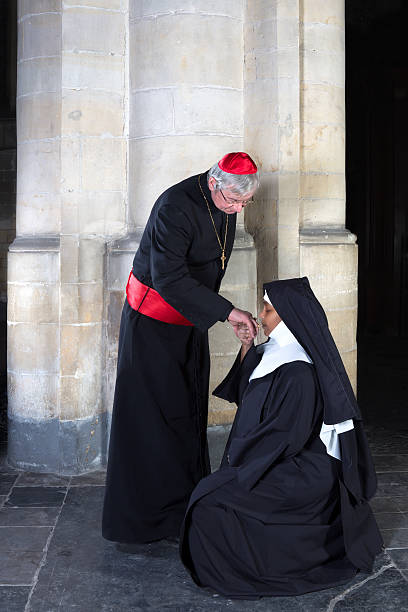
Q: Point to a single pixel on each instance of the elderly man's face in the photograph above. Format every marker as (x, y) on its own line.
(228, 201)
(269, 318)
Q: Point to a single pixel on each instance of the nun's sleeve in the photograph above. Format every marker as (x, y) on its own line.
(291, 412)
(235, 382)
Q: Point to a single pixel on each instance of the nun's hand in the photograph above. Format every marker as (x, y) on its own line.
(242, 333)
(237, 316)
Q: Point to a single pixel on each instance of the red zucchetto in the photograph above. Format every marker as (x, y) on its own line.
(237, 163)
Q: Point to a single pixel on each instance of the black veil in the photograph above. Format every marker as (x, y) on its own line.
(300, 310)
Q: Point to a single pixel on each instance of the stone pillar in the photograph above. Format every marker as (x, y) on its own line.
(294, 123)
(185, 93)
(328, 252)
(71, 199)
(272, 133)
(185, 108)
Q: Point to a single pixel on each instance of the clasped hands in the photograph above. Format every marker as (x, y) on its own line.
(244, 325)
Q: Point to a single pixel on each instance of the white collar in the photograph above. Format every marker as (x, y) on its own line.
(281, 348)
(282, 335)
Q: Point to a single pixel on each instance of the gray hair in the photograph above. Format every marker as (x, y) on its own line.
(241, 184)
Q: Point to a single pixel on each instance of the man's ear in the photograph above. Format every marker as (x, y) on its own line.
(212, 183)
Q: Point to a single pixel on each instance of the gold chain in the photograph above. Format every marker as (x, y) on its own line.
(223, 258)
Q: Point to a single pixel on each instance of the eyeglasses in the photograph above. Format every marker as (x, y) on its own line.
(232, 201)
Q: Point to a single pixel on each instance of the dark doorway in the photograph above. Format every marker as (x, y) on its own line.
(377, 199)
(8, 164)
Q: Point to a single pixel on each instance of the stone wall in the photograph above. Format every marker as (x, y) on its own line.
(295, 124)
(117, 100)
(72, 122)
(328, 253)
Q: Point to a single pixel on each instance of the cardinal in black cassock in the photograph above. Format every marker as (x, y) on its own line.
(287, 512)
(158, 444)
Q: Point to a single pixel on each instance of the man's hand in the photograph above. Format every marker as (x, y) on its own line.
(237, 317)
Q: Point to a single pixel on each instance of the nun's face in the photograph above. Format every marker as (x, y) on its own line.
(269, 318)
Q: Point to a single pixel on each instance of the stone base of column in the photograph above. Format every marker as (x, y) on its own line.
(42, 434)
(328, 257)
(52, 445)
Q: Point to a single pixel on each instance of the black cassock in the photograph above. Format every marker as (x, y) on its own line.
(281, 516)
(158, 443)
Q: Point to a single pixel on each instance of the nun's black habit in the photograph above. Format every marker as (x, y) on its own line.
(281, 516)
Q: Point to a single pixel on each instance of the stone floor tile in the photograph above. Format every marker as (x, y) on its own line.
(387, 442)
(391, 520)
(391, 463)
(4, 466)
(19, 517)
(392, 484)
(6, 482)
(385, 593)
(92, 478)
(399, 556)
(3, 456)
(28, 479)
(384, 504)
(13, 599)
(23, 538)
(402, 502)
(405, 574)
(395, 538)
(18, 567)
(36, 496)
(84, 572)
(2, 499)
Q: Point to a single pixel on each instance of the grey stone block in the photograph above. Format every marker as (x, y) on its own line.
(41, 497)
(14, 598)
(395, 538)
(21, 517)
(61, 447)
(32, 479)
(400, 557)
(386, 592)
(92, 478)
(392, 483)
(18, 567)
(392, 520)
(384, 504)
(23, 538)
(6, 482)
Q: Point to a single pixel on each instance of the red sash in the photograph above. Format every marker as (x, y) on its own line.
(146, 300)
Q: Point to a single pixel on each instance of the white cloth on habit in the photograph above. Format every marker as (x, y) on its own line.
(282, 347)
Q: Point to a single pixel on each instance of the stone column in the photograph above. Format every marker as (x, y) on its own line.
(294, 122)
(185, 107)
(71, 199)
(328, 252)
(272, 133)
